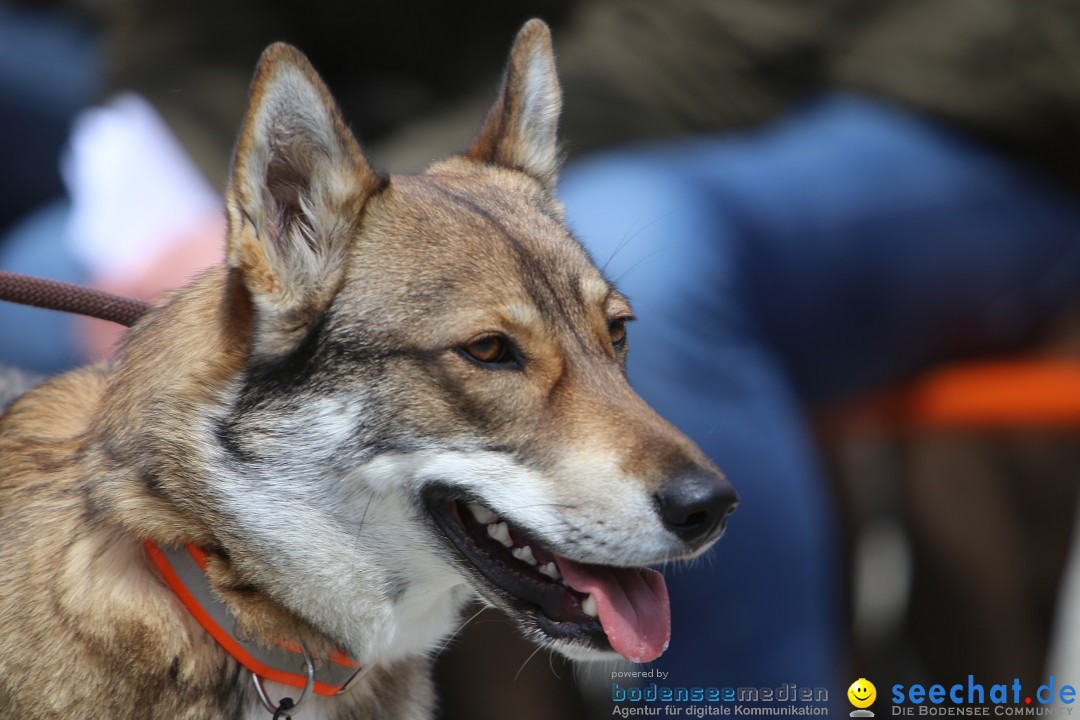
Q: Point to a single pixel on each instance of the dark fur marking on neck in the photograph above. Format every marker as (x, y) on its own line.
(284, 374)
(228, 438)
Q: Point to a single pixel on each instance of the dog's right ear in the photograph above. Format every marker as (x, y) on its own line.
(298, 187)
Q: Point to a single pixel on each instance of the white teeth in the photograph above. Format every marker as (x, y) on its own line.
(525, 554)
(500, 532)
(550, 570)
(589, 605)
(482, 514)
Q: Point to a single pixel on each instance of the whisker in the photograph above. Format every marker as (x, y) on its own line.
(551, 666)
(359, 531)
(450, 639)
(564, 506)
(638, 264)
(518, 673)
(631, 234)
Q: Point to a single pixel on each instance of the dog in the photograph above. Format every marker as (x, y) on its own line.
(394, 394)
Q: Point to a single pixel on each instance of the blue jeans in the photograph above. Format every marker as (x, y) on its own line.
(50, 68)
(839, 249)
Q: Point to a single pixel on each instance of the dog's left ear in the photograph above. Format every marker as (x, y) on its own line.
(520, 129)
(297, 191)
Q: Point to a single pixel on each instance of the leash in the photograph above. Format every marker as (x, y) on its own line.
(183, 570)
(67, 297)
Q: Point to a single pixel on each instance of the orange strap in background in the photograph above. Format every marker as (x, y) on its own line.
(1037, 393)
(1042, 394)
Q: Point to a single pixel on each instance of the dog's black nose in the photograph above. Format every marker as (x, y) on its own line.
(696, 507)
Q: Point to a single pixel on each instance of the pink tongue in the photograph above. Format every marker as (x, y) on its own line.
(632, 604)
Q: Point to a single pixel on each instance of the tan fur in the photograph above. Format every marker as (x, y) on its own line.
(381, 283)
(89, 626)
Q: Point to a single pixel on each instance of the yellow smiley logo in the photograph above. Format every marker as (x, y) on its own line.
(862, 693)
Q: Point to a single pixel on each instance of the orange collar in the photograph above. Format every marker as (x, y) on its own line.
(184, 571)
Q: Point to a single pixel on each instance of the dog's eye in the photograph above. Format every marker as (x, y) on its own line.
(490, 350)
(617, 329)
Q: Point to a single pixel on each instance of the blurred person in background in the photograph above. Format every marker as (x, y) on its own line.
(804, 201)
(50, 69)
(870, 189)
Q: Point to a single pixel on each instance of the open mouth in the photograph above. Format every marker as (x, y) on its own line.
(602, 607)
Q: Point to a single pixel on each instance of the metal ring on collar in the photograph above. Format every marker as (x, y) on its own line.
(309, 670)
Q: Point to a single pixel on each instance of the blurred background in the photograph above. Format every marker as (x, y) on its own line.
(850, 230)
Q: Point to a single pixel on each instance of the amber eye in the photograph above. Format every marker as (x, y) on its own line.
(617, 329)
(490, 350)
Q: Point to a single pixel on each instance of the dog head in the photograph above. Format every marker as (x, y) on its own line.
(433, 398)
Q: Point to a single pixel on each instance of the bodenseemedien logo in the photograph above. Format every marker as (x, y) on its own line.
(787, 699)
(862, 694)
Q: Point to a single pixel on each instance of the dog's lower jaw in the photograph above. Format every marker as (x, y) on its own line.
(359, 573)
(579, 653)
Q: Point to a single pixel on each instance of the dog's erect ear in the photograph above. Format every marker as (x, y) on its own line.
(520, 129)
(298, 187)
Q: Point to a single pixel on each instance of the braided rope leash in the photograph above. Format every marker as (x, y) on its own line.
(66, 297)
